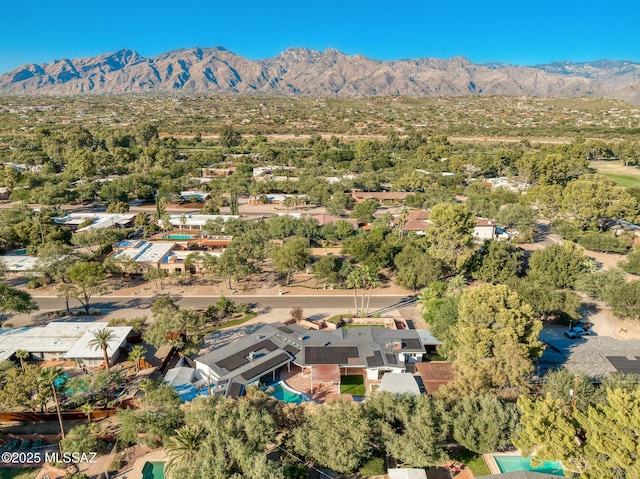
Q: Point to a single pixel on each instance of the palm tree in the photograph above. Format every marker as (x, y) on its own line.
(371, 280)
(184, 446)
(21, 354)
(101, 339)
(136, 354)
(87, 408)
(183, 222)
(49, 377)
(354, 280)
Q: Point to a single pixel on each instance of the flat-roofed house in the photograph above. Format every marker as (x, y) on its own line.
(62, 340)
(98, 221)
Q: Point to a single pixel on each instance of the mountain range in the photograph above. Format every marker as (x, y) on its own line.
(328, 73)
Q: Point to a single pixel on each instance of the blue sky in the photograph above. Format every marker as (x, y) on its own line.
(520, 32)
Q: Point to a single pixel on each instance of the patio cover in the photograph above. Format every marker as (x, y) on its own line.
(325, 374)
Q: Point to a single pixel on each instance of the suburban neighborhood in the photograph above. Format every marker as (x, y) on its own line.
(400, 307)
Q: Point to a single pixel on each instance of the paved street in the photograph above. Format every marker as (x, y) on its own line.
(286, 301)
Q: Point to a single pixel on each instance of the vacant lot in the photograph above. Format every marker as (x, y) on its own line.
(623, 175)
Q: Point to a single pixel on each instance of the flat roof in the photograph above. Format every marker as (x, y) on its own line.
(399, 383)
(19, 262)
(100, 220)
(199, 220)
(55, 337)
(146, 251)
(82, 349)
(406, 473)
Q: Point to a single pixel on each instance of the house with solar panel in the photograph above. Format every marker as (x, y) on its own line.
(323, 354)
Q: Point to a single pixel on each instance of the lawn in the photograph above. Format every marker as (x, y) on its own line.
(624, 176)
(473, 461)
(624, 180)
(229, 324)
(353, 384)
(18, 472)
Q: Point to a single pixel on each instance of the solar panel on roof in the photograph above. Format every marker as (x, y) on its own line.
(412, 344)
(375, 360)
(329, 355)
(235, 390)
(624, 364)
(264, 367)
(238, 359)
(391, 358)
(292, 350)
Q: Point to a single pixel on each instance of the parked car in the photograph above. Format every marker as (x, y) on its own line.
(576, 332)
(585, 324)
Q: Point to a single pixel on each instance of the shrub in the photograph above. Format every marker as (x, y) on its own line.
(373, 467)
(567, 230)
(34, 283)
(605, 243)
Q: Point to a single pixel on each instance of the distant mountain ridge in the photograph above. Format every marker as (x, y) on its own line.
(328, 73)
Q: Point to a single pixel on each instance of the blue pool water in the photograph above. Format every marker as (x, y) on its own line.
(60, 380)
(180, 237)
(284, 394)
(153, 470)
(519, 463)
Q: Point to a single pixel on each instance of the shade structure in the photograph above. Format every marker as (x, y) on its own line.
(325, 374)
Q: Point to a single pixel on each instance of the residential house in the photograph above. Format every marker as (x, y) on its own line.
(96, 221)
(324, 354)
(393, 197)
(62, 340)
(484, 229)
(324, 219)
(218, 172)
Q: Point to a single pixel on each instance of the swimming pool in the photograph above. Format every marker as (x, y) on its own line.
(153, 470)
(180, 237)
(282, 392)
(510, 463)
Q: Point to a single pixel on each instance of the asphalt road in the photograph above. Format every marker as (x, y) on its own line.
(109, 303)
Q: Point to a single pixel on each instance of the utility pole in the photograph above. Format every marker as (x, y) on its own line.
(574, 392)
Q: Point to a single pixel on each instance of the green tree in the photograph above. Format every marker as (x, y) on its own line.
(419, 444)
(229, 137)
(87, 278)
(632, 262)
(520, 217)
(22, 355)
(499, 263)
(364, 211)
(136, 354)
(157, 418)
(558, 265)
(292, 256)
(561, 383)
(484, 423)
(546, 300)
(14, 301)
(80, 440)
(326, 269)
(450, 235)
(547, 432)
(496, 341)
(101, 339)
(416, 268)
(174, 325)
(336, 435)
